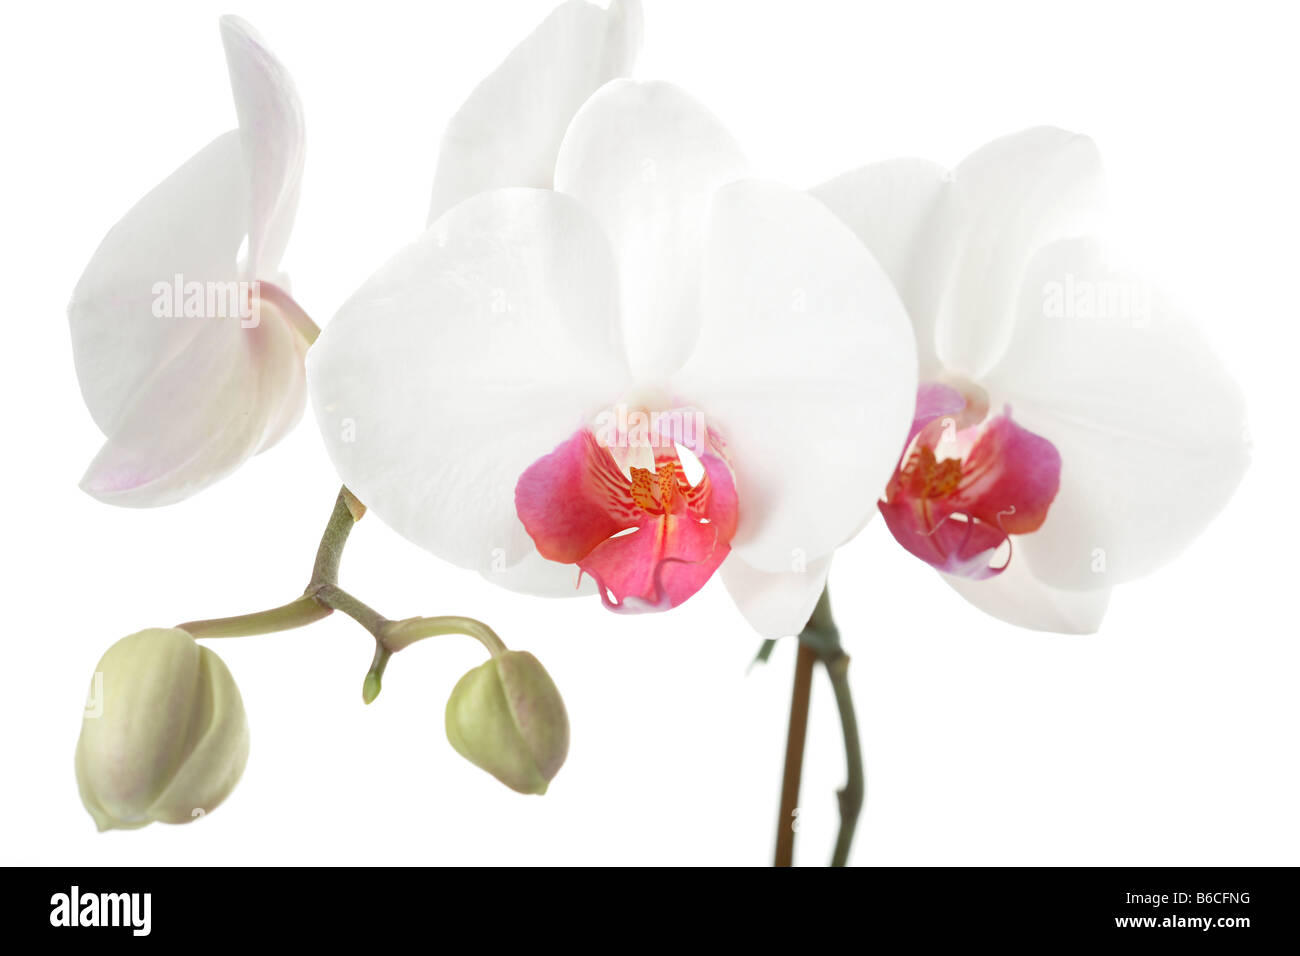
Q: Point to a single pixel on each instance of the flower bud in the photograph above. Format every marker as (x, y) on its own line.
(164, 737)
(507, 717)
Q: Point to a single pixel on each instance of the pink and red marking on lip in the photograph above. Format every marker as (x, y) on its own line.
(648, 538)
(967, 482)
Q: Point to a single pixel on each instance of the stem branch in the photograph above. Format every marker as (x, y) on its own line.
(402, 634)
(296, 613)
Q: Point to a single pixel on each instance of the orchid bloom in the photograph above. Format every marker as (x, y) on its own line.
(614, 361)
(190, 353)
(1072, 431)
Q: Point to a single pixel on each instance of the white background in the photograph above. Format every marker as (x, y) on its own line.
(1168, 738)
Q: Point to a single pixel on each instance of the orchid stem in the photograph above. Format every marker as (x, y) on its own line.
(820, 639)
(402, 634)
(324, 596)
(334, 597)
(305, 610)
(794, 744)
(347, 512)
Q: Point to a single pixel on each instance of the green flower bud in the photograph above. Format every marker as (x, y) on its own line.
(507, 717)
(164, 736)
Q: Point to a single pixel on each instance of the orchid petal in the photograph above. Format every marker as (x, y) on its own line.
(187, 392)
(509, 130)
(272, 132)
(536, 576)
(952, 542)
(1009, 478)
(183, 400)
(646, 159)
(805, 364)
(190, 225)
(1007, 200)
(776, 604)
(934, 400)
(1149, 425)
(889, 205)
(471, 354)
(1019, 598)
(649, 539)
(957, 513)
(202, 414)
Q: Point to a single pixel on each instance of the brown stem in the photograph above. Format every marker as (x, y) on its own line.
(794, 746)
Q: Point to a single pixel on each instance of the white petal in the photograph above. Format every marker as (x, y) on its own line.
(472, 353)
(806, 365)
(202, 414)
(509, 130)
(646, 158)
(1150, 427)
(539, 577)
(1006, 201)
(776, 604)
(273, 136)
(1017, 597)
(190, 225)
(159, 384)
(889, 205)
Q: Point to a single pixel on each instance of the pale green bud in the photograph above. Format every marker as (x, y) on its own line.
(164, 736)
(507, 717)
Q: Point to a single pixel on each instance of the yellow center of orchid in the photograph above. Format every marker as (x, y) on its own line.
(643, 487)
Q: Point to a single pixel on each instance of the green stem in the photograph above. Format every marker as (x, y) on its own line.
(306, 609)
(333, 596)
(823, 636)
(330, 553)
(324, 596)
(402, 634)
(298, 613)
(855, 788)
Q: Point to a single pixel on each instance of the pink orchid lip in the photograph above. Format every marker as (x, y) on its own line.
(648, 536)
(967, 482)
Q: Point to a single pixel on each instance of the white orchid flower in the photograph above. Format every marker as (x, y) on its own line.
(190, 355)
(1062, 402)
(653, 368)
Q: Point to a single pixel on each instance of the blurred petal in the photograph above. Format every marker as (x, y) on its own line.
(509, 130)
(1149, 426)
(1017, 597)
(806, 367)
(272, 133)
(776, 604)
(889, 205)
(646, 159)
(472, 353)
